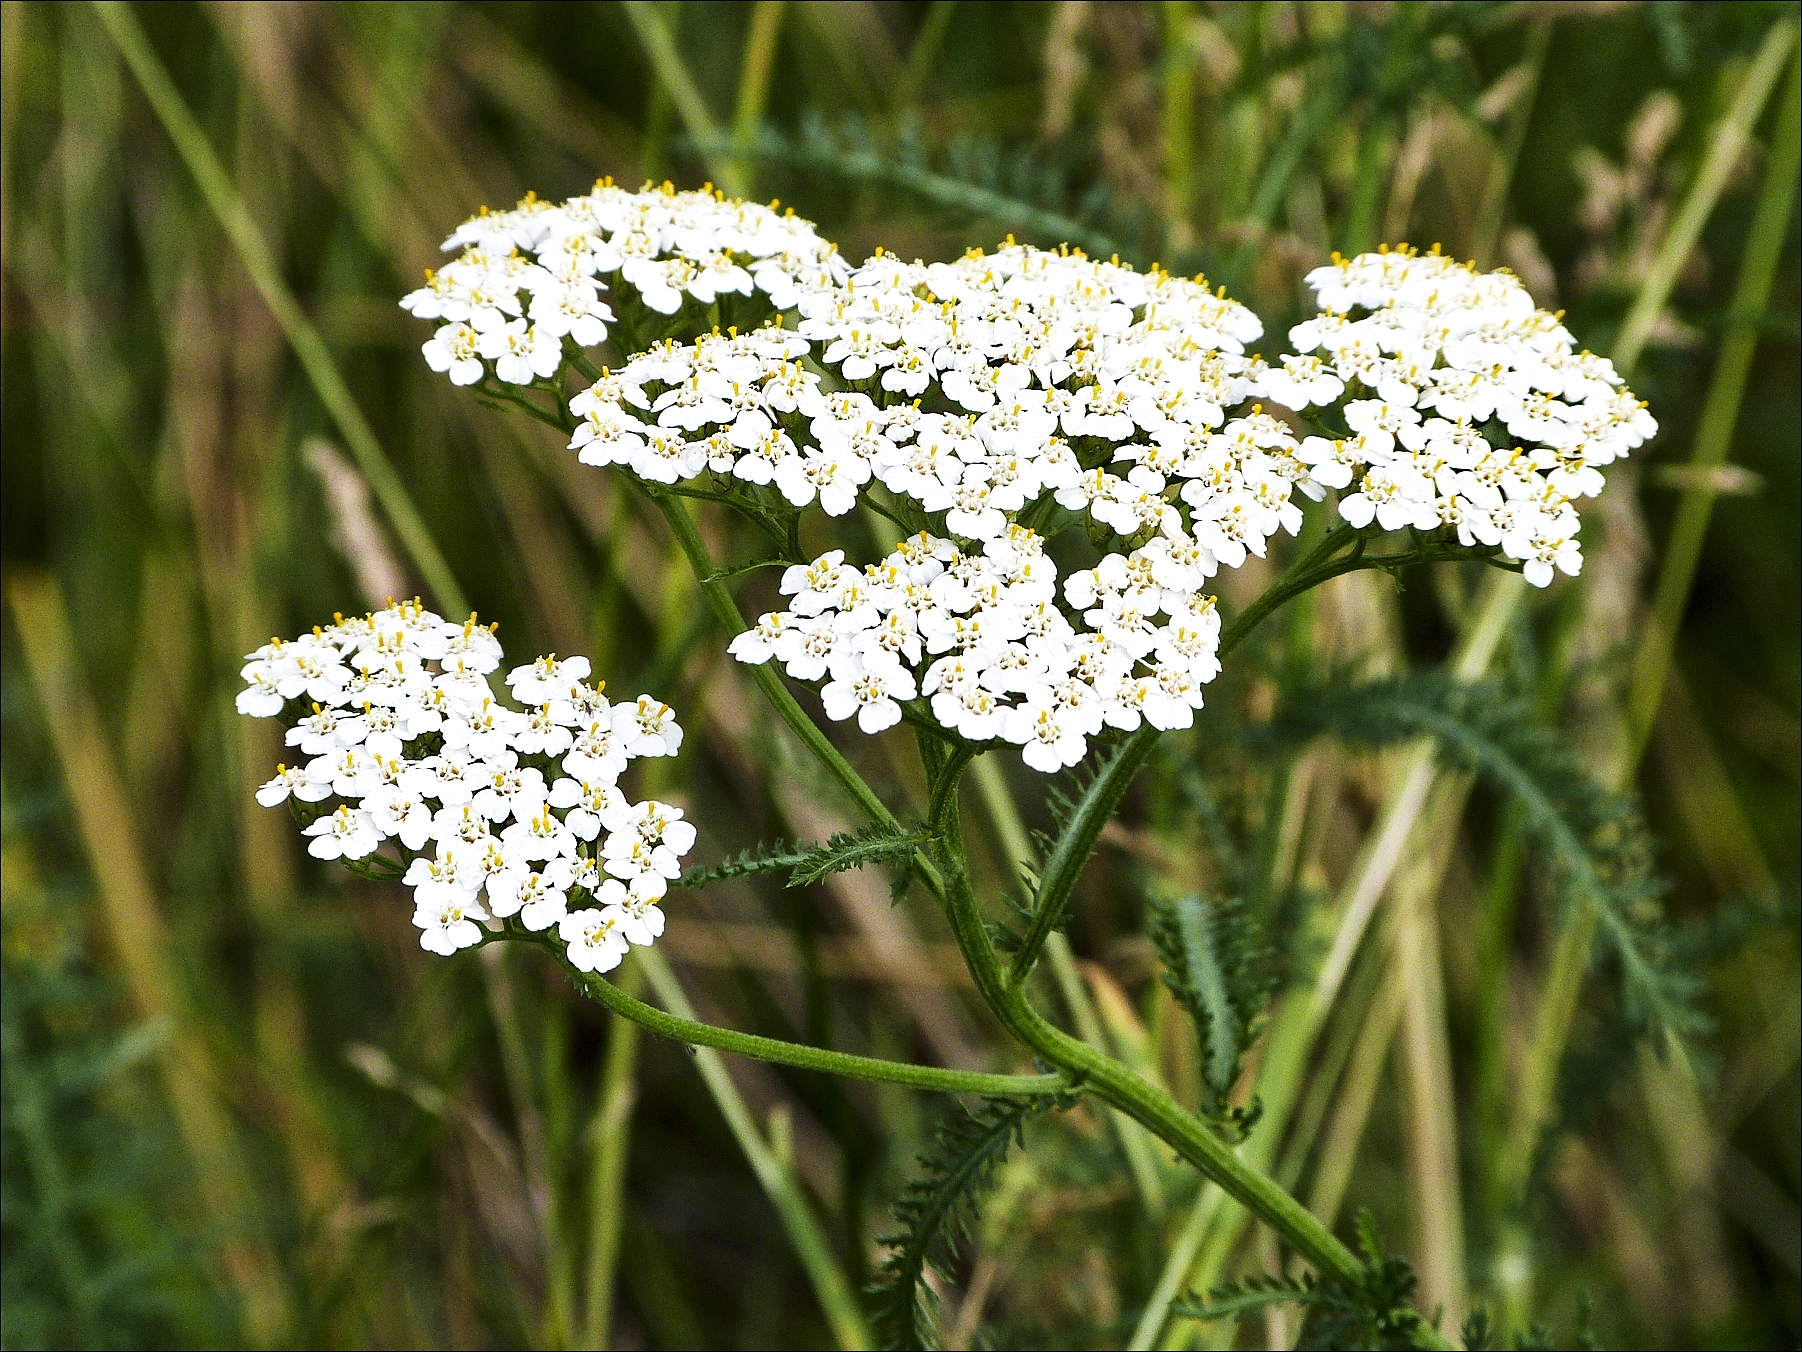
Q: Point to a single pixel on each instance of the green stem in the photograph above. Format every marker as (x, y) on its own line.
(673, 75)
(1570, 959)
(315, 358)
(769, 681)
(699, 1034)
(1364, 210)
(1132, 1094)
(754, 83)
(1179, 124)
(1514, 137)
(1016, 849)
(610, 1137)
(1725, 148)
(1104, 794)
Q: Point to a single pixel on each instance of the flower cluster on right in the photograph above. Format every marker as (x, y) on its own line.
(1470, 407)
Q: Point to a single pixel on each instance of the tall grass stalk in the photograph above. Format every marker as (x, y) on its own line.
(777, 1176)
(309, 348)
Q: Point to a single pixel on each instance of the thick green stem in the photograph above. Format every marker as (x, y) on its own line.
(813, 1058)
(768, 680)
(732, 620)
(1119, 1086)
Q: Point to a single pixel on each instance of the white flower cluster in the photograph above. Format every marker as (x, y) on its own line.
(1058, 366)
(1435, 355)
(1001, 660)
(530, 278)
(1046, 372)
(495, 811)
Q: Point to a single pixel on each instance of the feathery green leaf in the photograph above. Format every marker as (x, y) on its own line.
(1220, 973)
(875, 843)
(1597, 842)
(937, 1210)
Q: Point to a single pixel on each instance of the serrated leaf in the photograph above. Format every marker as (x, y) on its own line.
(872, 844)
(936, 1211)
(1219, 973)
(776, 858)
(1595, 840)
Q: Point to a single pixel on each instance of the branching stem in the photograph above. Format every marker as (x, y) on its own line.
(804, 1057)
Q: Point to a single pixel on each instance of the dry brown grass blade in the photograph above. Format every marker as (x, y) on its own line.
(356, 533)
(139, 938)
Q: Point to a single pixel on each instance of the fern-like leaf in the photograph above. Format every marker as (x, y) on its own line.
(1234, 1300)
(872, 844)
(971, 180)
(936, 1211)
(1375, 1311)
(1218, 972)
(1600, 851)
(778, 858)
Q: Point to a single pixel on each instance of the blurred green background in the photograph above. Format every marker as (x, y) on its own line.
(239, 1102)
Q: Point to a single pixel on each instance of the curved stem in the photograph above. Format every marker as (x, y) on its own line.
(804, 1057)
(1075, 846)
(1138, 1098)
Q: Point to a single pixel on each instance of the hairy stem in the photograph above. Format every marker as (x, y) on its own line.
(811, 1058)
(1119, 1086)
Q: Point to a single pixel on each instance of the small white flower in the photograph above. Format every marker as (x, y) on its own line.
(593, 941)
(448, 924)
(539, 897)
(436, 881)
(348, 833)
(868, 686)
(757, 644)
(648, 727)
(292, 780)
(539, 836)
(454, 349)
(589, 806)
(396, 812)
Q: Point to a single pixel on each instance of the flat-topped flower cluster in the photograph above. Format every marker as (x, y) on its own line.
(1001, 659)
(1470, 407)
(988, 404)
(493, 811)
(528, 279)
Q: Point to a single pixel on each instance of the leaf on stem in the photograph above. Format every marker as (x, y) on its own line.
(876, 843)
(937, 1210)
(1373, 1312)
(1220, 973)
(806, 862)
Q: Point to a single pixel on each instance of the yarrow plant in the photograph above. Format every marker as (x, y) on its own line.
(1060, 454)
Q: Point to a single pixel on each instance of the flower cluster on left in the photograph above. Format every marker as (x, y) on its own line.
(487, 812)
